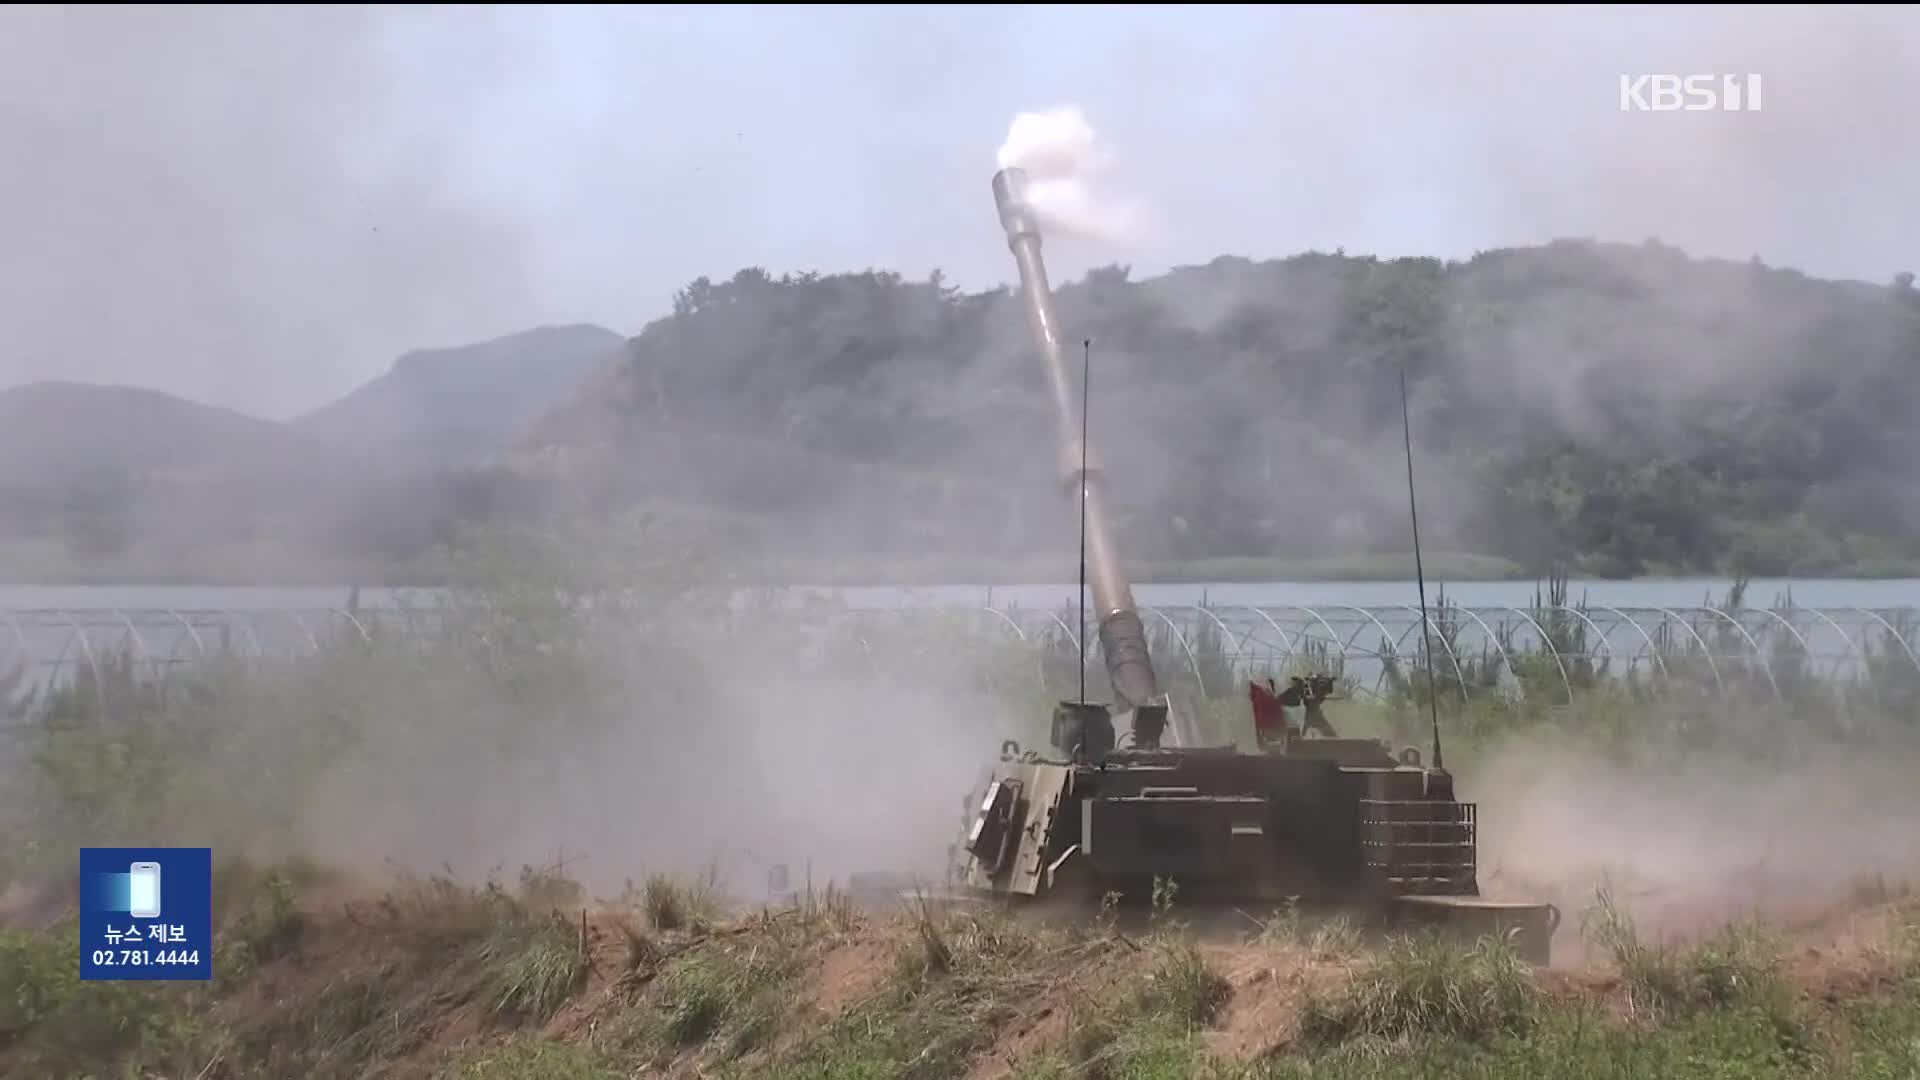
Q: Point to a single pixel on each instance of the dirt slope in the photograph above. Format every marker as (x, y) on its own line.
(324, 977)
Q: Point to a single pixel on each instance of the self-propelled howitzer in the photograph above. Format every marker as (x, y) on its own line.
(1319, 820)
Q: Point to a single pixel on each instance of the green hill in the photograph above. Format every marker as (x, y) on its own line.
(1607, 408)
(461, 404)
(1599, 409)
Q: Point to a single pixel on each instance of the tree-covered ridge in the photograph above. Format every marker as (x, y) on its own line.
(1609, 409)
(1588, 408)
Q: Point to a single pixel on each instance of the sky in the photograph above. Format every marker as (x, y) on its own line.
(261, 208)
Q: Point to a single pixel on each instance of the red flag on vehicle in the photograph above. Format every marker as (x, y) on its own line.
(1269, 716)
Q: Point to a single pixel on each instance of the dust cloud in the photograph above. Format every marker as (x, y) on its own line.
(709, 747)
(1692, 843)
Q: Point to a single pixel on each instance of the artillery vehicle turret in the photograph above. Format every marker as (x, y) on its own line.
(1320, 820)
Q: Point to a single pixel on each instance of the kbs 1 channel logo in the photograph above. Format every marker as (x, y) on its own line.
(146, 913)
(1690, 93)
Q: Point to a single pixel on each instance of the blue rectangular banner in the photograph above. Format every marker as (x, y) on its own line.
(146, 913)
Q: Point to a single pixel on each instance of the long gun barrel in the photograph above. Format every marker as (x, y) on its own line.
(1123, 639)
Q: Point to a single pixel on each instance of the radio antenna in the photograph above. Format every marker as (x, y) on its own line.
(1086, 393)
(1420, 576)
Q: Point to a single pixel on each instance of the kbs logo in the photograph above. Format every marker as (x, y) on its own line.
(1689, 93)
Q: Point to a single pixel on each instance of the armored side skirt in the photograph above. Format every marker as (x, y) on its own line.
(1205, 841)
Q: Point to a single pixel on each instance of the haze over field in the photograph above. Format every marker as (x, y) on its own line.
(259, 209)
(541, 304)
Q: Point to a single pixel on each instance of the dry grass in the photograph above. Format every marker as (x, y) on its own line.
(450, 980)
(1324, 937)
(1182, 985)
(539, 964)
(670, 903)
(1427, 987)
(1740, 965)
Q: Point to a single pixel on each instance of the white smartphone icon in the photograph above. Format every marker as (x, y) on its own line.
(143, 893)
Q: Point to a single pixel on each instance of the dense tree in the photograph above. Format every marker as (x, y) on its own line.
(1605, 408)
(1593, 408)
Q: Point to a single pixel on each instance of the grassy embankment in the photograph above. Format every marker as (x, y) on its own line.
(435, 979)
(320, 976)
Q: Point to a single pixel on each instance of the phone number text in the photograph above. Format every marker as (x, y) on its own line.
(143, 957)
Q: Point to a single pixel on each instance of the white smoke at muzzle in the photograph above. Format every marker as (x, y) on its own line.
(1063, 158)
